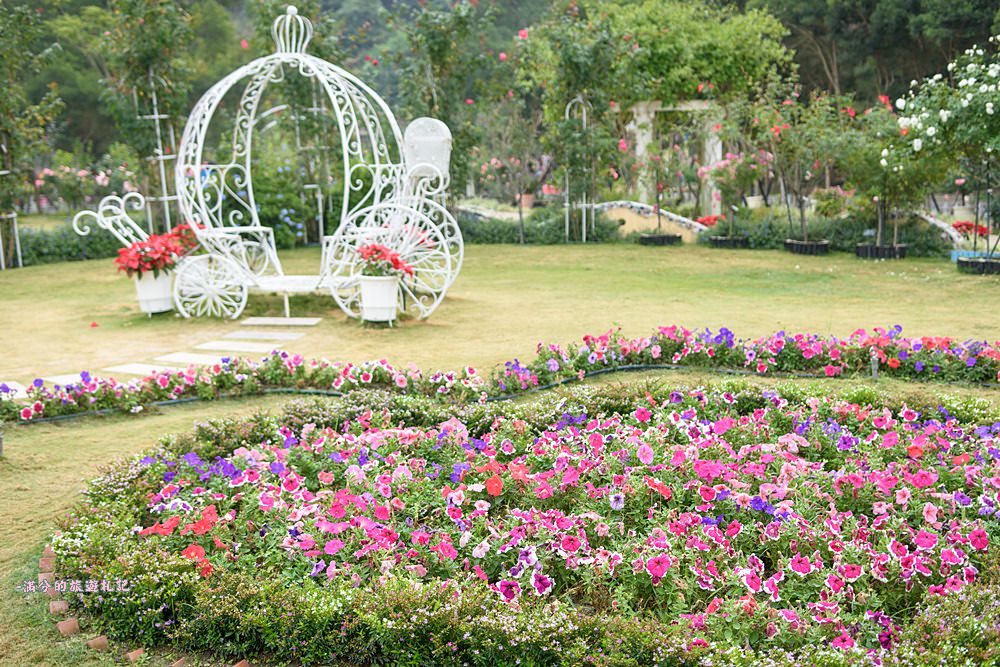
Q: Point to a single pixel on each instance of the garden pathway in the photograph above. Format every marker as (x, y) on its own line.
(271, 334)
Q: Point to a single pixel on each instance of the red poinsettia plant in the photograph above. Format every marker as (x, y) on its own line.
(157, 253)
(380, 260)
(185, 235)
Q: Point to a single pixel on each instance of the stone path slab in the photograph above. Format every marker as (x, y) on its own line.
(188, 358)
(63, 380)
(281, 321)
(140, 369)
(236, 346)
(252, 334)
(19, 390)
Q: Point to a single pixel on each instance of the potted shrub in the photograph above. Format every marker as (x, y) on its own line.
(381, 270)
(149, 264)
(659, 237)
(734, 176)
(802, 138)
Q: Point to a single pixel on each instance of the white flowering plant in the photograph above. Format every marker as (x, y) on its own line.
(957, 113)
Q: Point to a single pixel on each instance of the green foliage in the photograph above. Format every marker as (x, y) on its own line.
(878, 46)
(581, 54)
(768, 228)
(441, 71)
(23, 125)
(544, 226)
(147, 52)
(63, 244)
(705, 44)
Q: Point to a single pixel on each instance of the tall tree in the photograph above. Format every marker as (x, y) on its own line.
(22, 124)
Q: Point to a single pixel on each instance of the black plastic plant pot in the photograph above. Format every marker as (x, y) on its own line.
(820, 247)
(729, 241)
(659, 239)
(982, 266)
(870, 251)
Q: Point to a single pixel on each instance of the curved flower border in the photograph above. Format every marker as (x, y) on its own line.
(932, 358)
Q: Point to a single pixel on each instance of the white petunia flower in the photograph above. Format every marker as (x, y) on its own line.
(917, 144)
(900, 104)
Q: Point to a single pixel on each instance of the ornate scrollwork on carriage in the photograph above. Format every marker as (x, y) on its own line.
(390, 185)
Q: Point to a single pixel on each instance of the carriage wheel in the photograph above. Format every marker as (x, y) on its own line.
(416, 234)
(257, 259)
(210, 286)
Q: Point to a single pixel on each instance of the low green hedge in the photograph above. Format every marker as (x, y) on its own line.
(768, 228)
(545, 226)
(63, 244)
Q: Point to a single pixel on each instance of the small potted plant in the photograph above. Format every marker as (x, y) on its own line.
(149, 263)
(381, 270)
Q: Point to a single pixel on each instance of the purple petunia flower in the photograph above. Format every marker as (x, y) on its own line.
(617, 501)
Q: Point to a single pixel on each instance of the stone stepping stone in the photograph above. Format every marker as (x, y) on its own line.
(264, 335)
(187, 358)
(19, 390)
(63, 380)
(281, 321)
(140, 369)
(70, 626)
(99, 643)
(236, 346)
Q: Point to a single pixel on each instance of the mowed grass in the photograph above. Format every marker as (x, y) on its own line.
(506, 300)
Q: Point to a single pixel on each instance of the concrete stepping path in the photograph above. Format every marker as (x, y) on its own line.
(63, 380)
(281, 321)
(252, 334)
(19, 390)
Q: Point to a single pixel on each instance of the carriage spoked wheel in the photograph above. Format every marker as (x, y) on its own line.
(210, 286)
(419, 240)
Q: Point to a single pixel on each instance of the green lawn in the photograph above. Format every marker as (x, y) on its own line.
(506, 300)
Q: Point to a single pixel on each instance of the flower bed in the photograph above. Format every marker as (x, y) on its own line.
(927, 358)
(608, 526)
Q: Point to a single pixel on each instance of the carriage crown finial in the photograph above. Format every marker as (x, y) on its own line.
(291, 32)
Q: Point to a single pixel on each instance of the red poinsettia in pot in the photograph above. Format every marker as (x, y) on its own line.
(381, 270)
(149, 263)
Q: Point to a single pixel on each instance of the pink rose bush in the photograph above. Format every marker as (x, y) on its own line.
(674, 527)
(928, 358)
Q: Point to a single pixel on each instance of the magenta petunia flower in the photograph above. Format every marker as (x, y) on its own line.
(510, 590)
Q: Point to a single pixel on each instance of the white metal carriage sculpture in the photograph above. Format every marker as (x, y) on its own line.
(392, 187)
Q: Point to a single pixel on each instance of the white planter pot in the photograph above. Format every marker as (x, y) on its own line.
(755, 201)
(154, 293)
(379, 298)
